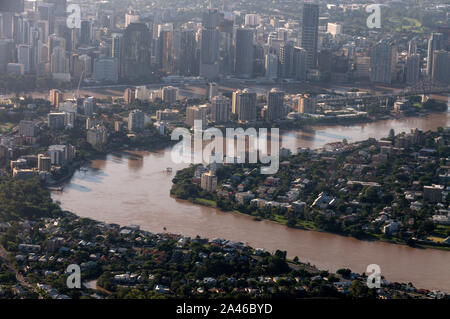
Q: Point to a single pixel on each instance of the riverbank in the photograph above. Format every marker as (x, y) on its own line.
(311, 226)
(300, 200)
(101, 155)
(136, 190)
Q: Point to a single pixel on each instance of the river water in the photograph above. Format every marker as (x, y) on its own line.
(133, 188)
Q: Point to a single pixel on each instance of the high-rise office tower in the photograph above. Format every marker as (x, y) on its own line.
(62, 31)
(194, 113)
(12, 6)
(441, 67)
(211, 91)
(6, 53)
(34, 41)
(106, 69)
(58, 61)
(275, 104)
(136, 121)
(300, 63)
(7, 25)
(220, 109)
(309, 33)
(286, 60)
(436, 42)
(129, 96)
(24, 56)
(243, 57)
(244, 105)
(56, 97)
(209, 51)
(383, 61)
(412, 68)
(117, 38)
(169, 94)
(165, 48)
(46, 12)
(188, 57)
(271, 65)
(412, 47)
(86, 32)
(116, 48)
(54, 41)
(59, 5)
(307, 104)
(135, 51)
(88, 106)
(324, 61)
(226, 49)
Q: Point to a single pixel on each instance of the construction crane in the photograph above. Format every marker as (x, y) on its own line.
(77, 93)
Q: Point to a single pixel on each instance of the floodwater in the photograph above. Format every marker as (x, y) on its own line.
(133, 188)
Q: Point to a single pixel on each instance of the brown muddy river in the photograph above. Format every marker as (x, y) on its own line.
(134, 189)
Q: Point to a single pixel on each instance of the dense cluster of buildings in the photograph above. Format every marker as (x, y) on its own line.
(116, 43)
(43, 260)
(351, 183)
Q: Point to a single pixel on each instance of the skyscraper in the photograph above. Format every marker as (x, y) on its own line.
(24, 56)
(441, 67)
(135, 51)
(435, 42)
(383, 60)
(271, 65)
(86, 32)
(6, 53)
(188, 49)
(226, 49)
(309, 34)
(58, 61)
(59, 5)
(136, 120)
(116, 48)
(12, 6)
(243, 57)
(307, 104)
(106, 69)
(244, 105)
(275, 104)
(196, 113)
(300, 63)
(220, 109)
(412, 68)
(286, 60)
(165, 48)
(209, 52)
(169, 94)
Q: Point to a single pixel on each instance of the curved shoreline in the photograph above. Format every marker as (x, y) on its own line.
(118, 191)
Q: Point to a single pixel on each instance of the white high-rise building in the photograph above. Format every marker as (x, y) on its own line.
(252, 19)
(136, 121)
(209, 181)
(334, 28)
(194, 113)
